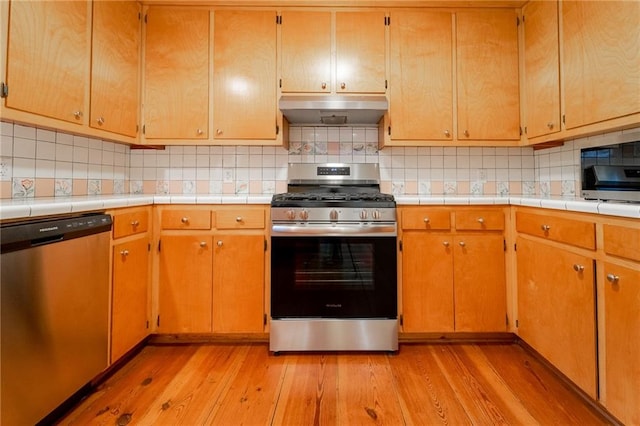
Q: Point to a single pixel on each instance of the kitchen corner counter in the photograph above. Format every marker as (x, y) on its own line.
(37, 207)
(629, 210)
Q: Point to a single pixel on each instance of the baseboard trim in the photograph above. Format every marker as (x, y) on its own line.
(191, 338)
(462, 337)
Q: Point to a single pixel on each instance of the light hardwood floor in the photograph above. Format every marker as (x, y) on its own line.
(424, 384)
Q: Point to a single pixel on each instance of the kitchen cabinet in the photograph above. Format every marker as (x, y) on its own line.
(130, 279)
(244, 75)
(453, 270)
(421, 74)
(176, 74)
(306, 52)
(115, 64)
(556, 292)
(541, 68)
(359, 65)
(487, 75)
(47, 59)
(600, 62)
(212, 269)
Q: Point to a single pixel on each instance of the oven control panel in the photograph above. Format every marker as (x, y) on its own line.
(330, 214)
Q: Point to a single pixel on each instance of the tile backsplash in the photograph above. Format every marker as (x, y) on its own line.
(42, 163)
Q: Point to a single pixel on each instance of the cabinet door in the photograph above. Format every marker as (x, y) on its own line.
(487, 63)
(622, 343)
(479, 283)
(360, 52)
(186, 264)
(176, 73)
(114, 67)
(306, 52)
(244, 75)
(129, 320)
(601, 41)
(556, 309)
(427, 282)
(238, 283)
(541, 68)
(420, 82)
(48, 58)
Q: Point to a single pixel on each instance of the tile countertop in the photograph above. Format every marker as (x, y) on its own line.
(35, 207)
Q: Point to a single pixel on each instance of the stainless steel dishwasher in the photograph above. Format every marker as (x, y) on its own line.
(55, 312)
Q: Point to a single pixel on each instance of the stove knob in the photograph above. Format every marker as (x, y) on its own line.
(333, 215)
(291, 214)
(304, 215)
(363, 214)
(376, 214)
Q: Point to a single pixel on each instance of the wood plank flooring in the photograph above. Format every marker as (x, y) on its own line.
(424, 384)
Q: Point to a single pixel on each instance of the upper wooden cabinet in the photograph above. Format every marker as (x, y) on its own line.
(360, 52)
(306, 52)
(244, 75)
(115, 64)
(541, 68)
(421, 74)
(601, 60)
(47, 58)
(176, 73)
(487, 75)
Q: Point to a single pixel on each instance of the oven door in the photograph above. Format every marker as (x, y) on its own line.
(333, 277)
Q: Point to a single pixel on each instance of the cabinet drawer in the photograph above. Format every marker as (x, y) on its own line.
(480, 220)
(426, 219)
(125, 224)
(186, 219)
(563, 230)
(240, 219)
(622, 241)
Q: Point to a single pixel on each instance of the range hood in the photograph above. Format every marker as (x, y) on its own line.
(333, 110)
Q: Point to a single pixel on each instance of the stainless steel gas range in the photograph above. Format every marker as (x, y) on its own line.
(333, 261)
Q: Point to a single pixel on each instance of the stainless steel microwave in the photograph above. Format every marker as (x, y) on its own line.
(612, 172)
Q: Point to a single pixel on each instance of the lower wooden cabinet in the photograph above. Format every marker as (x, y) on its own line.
(185, 289)
(129, 317)
(620, 374)
(556, 309)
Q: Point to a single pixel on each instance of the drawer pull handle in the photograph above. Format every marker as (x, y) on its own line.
(426, 220)
(613, 278)
(184, 220)
(135, 223)
(124, 252)
(545, 228)
(462, 243)
(445, 243)
(578, 268)
(219, 243)
(203, 244)
(480, 220)
(239, 219)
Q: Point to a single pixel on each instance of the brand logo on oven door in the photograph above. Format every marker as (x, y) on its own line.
(333, 305)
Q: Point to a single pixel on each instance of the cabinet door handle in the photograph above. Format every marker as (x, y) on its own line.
(218, 132)
(462, 243)
(135, 223)
(239, 219)
(199, 132)
(100, 121)
(77, 115)
(124, 252)
(447, 133)
(445, 243)
(550, 125)
(545, 228)
(466, 133)
(203, 244)
(219, 243)
(343, 85)
(184, 220)
(426, 220)
(612, 278)
(323, 85)
(578, 268)
(481, 220)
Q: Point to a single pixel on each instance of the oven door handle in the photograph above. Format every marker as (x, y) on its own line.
(378, 229)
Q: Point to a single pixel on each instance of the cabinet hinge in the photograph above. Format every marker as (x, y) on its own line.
(515, 247)
(389, 130)
(149, 247)
(265, 245)
(525, 130)
(505, 244)
(144, 128)
(518, 21)
(386, 84)
(563, 119)
(387, 20)
(139, 16)
(159, 243)
(277, 129)
(158, 321)
(506, 320)
(400, 245)
(145, 18)
(147, 324)
(278, 19)
(280, 83)
(517, 324)
(520, 130)
(4, 90)
(401, 320)
(264, 319)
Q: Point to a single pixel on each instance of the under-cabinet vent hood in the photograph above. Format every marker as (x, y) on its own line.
(333, 110)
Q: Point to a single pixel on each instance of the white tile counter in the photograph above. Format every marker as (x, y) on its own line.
(35, 207)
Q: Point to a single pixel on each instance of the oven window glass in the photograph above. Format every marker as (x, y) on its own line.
(333, 277)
